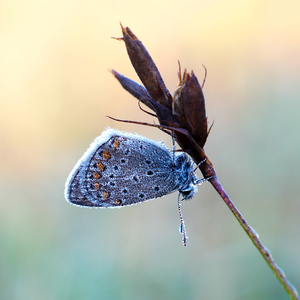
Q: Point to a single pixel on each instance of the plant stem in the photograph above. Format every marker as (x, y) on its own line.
(292, 292)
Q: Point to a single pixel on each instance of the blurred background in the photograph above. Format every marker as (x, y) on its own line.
(55, 93)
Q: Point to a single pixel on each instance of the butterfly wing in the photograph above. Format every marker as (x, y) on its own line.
(121, 169)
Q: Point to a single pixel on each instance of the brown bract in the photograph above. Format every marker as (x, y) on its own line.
(183, 114)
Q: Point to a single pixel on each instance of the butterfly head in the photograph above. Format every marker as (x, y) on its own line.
(187, 181)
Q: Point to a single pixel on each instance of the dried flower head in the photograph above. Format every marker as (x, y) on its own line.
(182, 115)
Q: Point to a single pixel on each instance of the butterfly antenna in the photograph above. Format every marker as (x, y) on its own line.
(182, 229)
(173, 142)
(201, 162)
(202, 180)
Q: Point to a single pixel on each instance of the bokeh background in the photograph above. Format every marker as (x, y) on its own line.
(55, 91)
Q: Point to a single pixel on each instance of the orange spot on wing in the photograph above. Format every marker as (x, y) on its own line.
(106, 154)
(96, 175)
(97, 186)
(105, 195)
(116, 144)
(100, 165)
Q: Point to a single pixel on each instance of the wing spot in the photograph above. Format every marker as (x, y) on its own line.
(105, 195)
(96, 175)
(125, 191)
(100, 166)
(116, 144)
(105, 154)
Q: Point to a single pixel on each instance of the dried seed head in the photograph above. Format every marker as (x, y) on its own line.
(146, 68)
(184, 114)
(189, 106)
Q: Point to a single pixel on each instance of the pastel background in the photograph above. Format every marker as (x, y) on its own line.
(55, 93)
